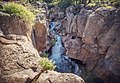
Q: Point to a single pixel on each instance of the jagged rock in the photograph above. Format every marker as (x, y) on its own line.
(39, 31)
(101, 36)
(81, 21)
(99, 20)
(56, 77)
(10, 26)
(69, 17)
(18, 57)
(40, 36)
(19, 77)
(70, 9)
(61, 15)
(55, 13)
(76, 23)
(26, 75)
(99, 41)
(73, 45)
(16, 49)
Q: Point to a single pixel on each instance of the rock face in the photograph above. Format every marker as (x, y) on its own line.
(74, 28)
(56, 13)
(39, 31)
(16, 50)
(73, 44)
(93, 38)
(50, 76)
(56, 77)
(7, 21)
(18, 57)
(40, 36)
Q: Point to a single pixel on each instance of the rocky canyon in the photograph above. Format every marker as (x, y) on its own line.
(80, 40)
(92, 37)
(20, 47)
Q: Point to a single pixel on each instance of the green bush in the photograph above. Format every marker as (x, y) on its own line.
(19, 10)
(46, 64)
(91, 4)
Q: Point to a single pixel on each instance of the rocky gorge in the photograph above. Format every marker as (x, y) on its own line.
(20, 49)
(79, 36)
(92, 37)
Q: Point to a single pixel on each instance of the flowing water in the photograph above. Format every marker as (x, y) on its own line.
(63, 63)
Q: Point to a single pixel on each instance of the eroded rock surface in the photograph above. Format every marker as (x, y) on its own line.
(16, 49)
(18, 57)
(40, 35)
(93, 38)
(39, 31)
(56, 77)
(50, 76)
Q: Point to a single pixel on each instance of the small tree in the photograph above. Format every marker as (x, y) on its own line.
(45, 64)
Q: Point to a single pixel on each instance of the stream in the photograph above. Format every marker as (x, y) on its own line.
(63, 63)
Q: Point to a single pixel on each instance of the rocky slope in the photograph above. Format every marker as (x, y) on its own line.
(93, 38)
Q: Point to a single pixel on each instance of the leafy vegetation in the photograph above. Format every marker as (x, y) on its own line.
(46, 64)
(65, 3)
(92, 4)
(19, 10)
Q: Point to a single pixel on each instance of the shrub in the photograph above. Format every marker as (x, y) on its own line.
(106, 5)
(91, 4)
(46, 64)
(109, 7)
(19, 10)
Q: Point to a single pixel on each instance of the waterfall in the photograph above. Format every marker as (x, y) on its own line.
(63, 63)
